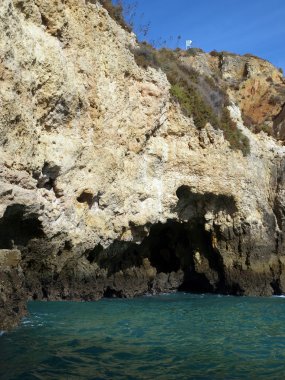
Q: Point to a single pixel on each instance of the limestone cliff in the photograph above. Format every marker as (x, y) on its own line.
(252, 83)
(106, 188)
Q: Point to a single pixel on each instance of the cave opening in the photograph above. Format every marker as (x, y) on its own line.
(112, 293)
(187, 247)
(17, 228)
(181, 255)
(177, 255)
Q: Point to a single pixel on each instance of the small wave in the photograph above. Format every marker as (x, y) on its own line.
(2, 332)
(27, 322)
(157, 294)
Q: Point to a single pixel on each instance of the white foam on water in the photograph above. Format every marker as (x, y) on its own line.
(2, 332)
(28, 322)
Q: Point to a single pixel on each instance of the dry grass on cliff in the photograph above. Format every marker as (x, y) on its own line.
(190, 90)
(116, 11)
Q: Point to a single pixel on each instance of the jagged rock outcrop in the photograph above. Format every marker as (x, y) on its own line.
(12, 293)
(106, 188)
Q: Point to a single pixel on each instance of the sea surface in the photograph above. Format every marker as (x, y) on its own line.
(176, 336)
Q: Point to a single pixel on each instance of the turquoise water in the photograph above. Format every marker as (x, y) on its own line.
(177, 336)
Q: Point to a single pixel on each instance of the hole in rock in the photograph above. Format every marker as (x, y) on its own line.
(93, 254)
(112, 293)
(171, 248)
(17, 228)
(174, 255)
(48, 176)
(67, 247)
(275, 284)
(166, 246)
(195, 205)
(45, 293)
(86, 197)
(45, 20)
(175, 246)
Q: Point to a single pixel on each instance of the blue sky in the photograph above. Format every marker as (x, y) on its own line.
(239, 26)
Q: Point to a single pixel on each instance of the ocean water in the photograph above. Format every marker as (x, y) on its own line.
(177, 336)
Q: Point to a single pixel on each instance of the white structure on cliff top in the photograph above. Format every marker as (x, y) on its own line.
(188, 44)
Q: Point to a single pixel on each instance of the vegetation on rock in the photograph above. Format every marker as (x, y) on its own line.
(202, 97)
(116, 12)
(188, 88)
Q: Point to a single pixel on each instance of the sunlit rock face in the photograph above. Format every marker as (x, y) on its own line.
(253, 84)
(106, 188)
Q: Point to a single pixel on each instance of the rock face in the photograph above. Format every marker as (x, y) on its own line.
(12, 294)
(106, 188)
(252, 83)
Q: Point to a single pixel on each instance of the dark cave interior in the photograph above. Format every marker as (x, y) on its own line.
(174, 246)
(17, 228)
(169, 247)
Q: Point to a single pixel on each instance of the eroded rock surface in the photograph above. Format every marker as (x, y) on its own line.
(12, 293)
(252, 83)
(106, 188)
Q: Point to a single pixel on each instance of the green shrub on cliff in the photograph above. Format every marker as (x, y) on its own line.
(145, 56)
(263, 128)
(194, 51)
(188, 88)
(237, 140)
(193, 105)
